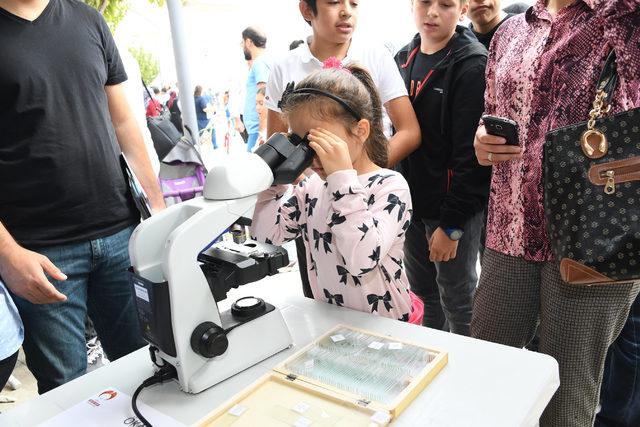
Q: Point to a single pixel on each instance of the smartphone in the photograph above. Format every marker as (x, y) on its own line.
(500, 126)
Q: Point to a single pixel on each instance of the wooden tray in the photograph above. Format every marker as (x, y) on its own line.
(285, 398)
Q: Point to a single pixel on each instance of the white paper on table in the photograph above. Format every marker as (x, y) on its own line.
(109, 407)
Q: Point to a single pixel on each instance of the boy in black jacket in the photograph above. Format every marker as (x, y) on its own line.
(443, 68)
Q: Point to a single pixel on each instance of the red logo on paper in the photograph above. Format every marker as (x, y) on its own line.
(108, 395)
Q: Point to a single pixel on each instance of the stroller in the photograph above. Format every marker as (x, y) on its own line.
(182, 172)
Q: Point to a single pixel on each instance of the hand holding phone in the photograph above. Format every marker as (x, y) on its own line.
(505, 128)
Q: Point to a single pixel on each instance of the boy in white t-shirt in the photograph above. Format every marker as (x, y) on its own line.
(333, 24)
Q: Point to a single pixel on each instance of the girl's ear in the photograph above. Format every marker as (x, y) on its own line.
(363, 129)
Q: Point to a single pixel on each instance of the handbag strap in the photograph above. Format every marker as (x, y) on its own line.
(145, 86)
(608, 76)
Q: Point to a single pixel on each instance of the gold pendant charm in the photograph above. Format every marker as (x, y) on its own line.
(594, 144)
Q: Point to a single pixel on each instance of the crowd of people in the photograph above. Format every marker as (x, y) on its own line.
(407, 189)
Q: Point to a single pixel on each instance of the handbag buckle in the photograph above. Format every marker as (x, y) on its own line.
(594, 144)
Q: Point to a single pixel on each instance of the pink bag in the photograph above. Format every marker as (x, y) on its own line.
(417, 309)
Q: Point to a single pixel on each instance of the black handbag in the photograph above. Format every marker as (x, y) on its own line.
(163, 132)
(592, 191)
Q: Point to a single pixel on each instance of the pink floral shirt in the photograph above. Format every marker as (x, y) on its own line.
(542, 73)
(353, 227)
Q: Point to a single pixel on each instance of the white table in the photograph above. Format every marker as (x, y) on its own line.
(484, 384)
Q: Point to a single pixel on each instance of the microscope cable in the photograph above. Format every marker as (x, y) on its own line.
(165, 373)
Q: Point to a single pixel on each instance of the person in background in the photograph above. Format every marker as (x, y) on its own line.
(254, 43)
(201, 113)
(542, 73)
(517, 8)
(262, 114)
(154, 107)
(486, 17)
(11, 335)
(443, 69)
(64, 231)
(174, 109)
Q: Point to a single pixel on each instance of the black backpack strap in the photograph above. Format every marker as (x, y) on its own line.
(609, 76)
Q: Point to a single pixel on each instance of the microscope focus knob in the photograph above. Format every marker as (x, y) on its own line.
(209, 340)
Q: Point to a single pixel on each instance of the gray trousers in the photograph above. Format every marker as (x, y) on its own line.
(577, 324)
(446, 288)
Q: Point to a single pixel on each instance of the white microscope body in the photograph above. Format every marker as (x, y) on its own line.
(173, 296)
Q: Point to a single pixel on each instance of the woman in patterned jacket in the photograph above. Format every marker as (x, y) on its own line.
(542, 73)
(352, 213)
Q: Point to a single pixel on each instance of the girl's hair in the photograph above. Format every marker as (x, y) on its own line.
(354, 85)
(197, 91)
(261, 91)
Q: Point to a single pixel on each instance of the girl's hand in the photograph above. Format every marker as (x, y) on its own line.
(491, 149)
(332, 151)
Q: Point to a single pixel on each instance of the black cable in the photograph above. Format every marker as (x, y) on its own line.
(165, 373)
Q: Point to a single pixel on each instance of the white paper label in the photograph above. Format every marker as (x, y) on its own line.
(381, 417)
(309, 364)
(141, 292)
(237, 410)
(395, 346)
(376, 345)
(337, 338)
(302, 422)
(301, 407)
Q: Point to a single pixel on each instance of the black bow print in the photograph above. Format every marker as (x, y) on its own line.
(366, 270)
(286, 94)
(372, 200)
(293, 203)
(397, 261)
(291, 230)
(385, 273)
(404, 318)
(372, 179)
(343, 272)
(337, 195)
(394, 201)
(398, 274)
(303, 230)
(364, 230)
(373, 299)
(331, 298)
(326, 240)
(279, 196)
(311, 202)
(337, 219)
(268, 241)
(375, 222)
(375, 255)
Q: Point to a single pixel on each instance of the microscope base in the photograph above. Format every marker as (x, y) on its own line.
(249, 344)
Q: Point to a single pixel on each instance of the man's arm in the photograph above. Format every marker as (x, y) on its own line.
(407, 137)
(132, 144)
(23, 271)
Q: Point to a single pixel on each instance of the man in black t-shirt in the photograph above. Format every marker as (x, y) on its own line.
(65, 210)
(486, 17)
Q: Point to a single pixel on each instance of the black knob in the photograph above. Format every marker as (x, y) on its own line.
(209, 340)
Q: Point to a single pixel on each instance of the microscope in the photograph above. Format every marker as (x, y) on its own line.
(179, 276)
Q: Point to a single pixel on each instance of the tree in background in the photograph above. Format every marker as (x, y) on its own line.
(114, 10)
(149, 67)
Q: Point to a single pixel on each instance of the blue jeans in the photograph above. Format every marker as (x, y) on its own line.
(251, 141)
(446, 288)
(620, 392)
(97, 284)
